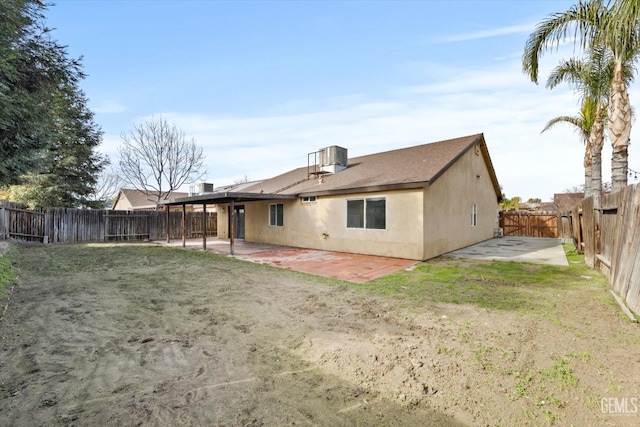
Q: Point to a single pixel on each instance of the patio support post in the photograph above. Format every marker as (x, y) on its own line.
(232, 232)
(168, 224)
(184, 225)
(204, 227)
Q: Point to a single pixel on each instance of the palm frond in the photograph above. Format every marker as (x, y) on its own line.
(570, 71)
(582, 123)
(575, 121)
(579, 22)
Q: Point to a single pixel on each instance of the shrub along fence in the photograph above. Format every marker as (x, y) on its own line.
(63, 225)
(609, 239)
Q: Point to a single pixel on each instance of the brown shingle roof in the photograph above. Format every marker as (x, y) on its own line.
(139, 200)
(406, 167)
(565, 201)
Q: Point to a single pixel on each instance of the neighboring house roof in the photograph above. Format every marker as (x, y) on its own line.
(542, 206)
(411, 167)
(565, 201)
(403, 168)
(139, 200)
(236, 187)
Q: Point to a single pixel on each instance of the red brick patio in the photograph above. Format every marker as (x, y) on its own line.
(339, 265)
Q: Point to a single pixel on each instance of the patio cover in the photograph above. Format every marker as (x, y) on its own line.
(227, 197)
(217, 199)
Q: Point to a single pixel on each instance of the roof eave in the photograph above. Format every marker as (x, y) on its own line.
(226, 197)
(367, 189)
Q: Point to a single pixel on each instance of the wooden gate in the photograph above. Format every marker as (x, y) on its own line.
(22, 224)
(529, 224)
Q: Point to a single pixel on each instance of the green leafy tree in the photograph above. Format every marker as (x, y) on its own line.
(508, 204)
(32, 67)
(596, 25)
(47, 133)
(72, 160)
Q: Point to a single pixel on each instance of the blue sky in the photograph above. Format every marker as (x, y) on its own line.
(259, 84)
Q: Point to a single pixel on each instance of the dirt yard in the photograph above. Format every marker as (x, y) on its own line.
(126, 335)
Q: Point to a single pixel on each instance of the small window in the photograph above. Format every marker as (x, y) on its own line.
(376, 217)
(276, 215)
(474, 215)
(355, 213)
(309, 199)
(367, 213)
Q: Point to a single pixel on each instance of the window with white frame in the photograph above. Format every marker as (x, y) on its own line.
(474, 215)
(276, 214)
(367, 213)
(309, 199)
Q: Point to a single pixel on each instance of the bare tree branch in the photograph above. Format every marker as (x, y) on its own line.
(157, 159)
(106, 187)
(242, 180)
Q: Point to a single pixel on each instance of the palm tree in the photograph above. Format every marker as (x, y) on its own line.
(591, 77)
(596, 25)
(583, 124)
(628, 13)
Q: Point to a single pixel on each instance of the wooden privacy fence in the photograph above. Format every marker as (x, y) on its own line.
(610, 240)
(529, 224)
(62, 225)
(18, 222)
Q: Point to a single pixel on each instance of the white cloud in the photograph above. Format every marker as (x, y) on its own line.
(499, 101)
(492, 32)
(109, 107)
(110, 145)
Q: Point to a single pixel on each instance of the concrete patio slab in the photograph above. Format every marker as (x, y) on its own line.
(519, 249)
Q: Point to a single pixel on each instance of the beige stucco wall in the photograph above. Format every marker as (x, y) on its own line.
(122, 204)
(223, 221)
(447, 208)
(305, 225)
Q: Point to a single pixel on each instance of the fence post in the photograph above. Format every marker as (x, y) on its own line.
(184, 225)
(204, 227)
(168, 223)
(45, 238)
(3, 223)
(576, 230)
(589, 232)
(106, 226)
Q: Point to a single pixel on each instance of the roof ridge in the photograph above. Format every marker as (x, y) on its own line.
(472, 136)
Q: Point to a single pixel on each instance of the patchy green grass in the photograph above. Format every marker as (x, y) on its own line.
(542, 387)
(561, 372)
(7, 275)
(489, 284)
(521, 287)
(56, 260)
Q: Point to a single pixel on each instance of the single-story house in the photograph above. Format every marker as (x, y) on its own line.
(129, 199)
(414, 203)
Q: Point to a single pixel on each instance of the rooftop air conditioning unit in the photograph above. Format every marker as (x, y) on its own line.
(204, 188)
(333, 159)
